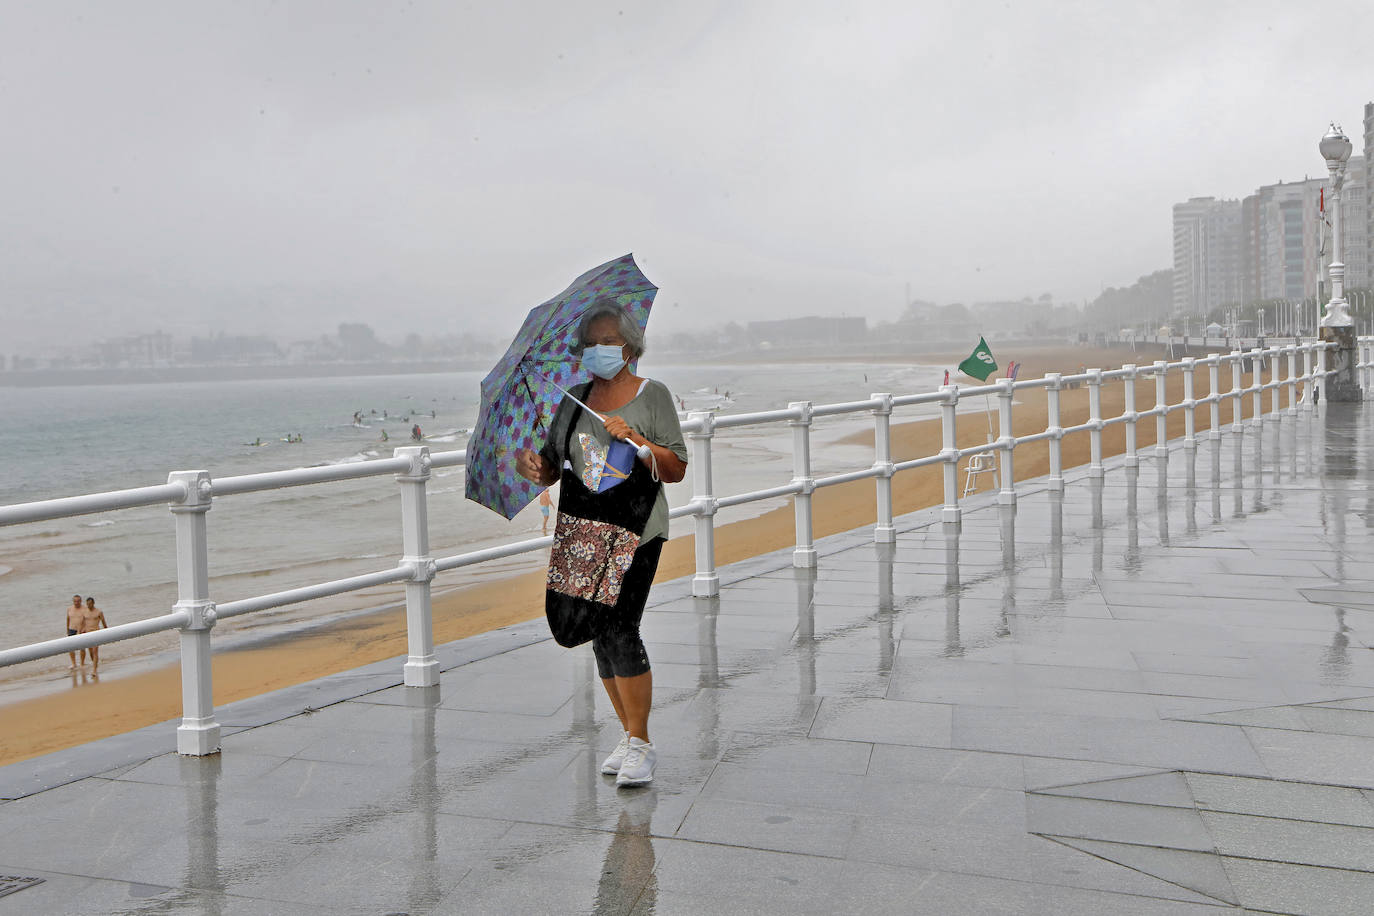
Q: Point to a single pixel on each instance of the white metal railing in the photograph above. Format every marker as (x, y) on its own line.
(190, 494)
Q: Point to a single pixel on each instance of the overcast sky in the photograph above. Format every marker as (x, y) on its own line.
(284, 166)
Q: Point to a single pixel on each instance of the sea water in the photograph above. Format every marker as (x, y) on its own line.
(64, 441)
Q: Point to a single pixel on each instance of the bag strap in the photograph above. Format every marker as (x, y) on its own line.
(572, 420)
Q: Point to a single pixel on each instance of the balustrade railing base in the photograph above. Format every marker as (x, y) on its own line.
(705, 586)
(422, 673)
(198, 737)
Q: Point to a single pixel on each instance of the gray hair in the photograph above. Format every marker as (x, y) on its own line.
(609, 308)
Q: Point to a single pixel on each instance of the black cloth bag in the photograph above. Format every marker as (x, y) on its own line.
(594, 544)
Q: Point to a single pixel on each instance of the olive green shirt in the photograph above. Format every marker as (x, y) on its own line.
(650, 413)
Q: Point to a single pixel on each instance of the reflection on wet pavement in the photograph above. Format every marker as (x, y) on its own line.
(1151, 692)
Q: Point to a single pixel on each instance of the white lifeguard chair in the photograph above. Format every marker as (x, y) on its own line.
(982, 463)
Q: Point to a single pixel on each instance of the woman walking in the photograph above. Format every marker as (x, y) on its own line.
(606, 510)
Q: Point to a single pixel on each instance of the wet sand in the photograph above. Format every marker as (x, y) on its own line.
(116, 704)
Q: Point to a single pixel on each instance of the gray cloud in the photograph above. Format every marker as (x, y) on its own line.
(446, 165)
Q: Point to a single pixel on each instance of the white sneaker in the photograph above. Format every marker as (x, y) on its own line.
(612, 763)
(637, 768)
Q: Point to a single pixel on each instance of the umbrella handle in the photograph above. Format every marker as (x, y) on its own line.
(643, 451)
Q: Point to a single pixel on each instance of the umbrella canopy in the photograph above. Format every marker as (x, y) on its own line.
(520, 395)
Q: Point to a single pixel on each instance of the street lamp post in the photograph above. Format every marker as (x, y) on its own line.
(1336, 328)
(1261, 322)
(1335, 149)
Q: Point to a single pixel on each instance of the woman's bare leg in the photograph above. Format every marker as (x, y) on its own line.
(616, 703)
(636, 695)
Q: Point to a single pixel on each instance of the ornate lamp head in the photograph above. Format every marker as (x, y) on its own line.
(1335, 147)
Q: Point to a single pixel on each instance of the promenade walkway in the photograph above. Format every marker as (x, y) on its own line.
(1152, 694)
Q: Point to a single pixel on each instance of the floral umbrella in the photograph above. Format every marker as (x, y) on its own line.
(520, 395)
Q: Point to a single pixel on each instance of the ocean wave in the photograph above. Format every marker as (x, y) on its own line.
(98, 523)
(364, 455)
(449, 435)
(6, 569)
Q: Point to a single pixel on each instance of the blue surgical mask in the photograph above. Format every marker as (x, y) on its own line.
(604, 360)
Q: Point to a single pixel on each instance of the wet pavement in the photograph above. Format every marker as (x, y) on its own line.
(1152, 694)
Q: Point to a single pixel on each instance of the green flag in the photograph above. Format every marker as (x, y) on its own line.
(980, 363)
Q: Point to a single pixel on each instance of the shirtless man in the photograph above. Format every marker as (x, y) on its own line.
(92, 619)
(75, 618)
(545, 504)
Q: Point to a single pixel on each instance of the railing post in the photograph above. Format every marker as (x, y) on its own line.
(1095, 422)
(1275, 383)
(1308, 393)
(1213, 394)
(198, 734)
(706, 582)
(1132, 458)
(1321, 372)
(1161, 370)
(1257, 385)
(1362, 354)
(1189, 404)
(1236, 394)
(804, 557)
(1293, 380)
(883, 530)
(421, 668)
(1053, 385)
(1366, 353)
(1006, 441)
(949, 451)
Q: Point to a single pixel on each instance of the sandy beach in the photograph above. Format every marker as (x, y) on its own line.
(116, 704)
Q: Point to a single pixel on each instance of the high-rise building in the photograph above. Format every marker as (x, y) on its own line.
(1355, 223)
(1277, 242)
(1251, 273)
(1208, 255)
(1369, 187)
(1285, 257)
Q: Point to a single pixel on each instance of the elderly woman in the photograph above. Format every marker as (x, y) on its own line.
(640, 411)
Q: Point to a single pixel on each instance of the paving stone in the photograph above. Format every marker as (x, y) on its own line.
(1282, 887)
(1142, 825)
(1297, 842)
(1275, 798)
(1203, 872)
(883, 722)
(1167, 789)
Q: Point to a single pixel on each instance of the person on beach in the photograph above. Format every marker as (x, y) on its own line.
(642, 411)
(415, 433)
(75, 617)
(92, 619)
(545, 504)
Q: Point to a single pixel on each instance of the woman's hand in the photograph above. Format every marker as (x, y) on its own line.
(670, 467)
(619, 429)
(530, 465)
